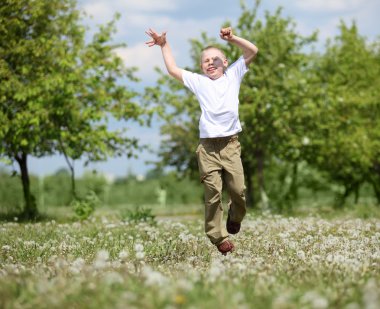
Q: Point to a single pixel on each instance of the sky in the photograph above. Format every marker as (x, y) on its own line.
(184, 20)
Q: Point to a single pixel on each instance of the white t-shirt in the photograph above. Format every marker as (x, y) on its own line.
(218, 99)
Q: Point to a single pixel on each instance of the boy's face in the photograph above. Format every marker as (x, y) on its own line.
(213, 63)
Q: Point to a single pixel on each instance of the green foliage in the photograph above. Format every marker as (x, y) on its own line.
(179, 191)
(345, 132)
(55, 191)
(85, 207)
(10, 192)
(139, 214)
(58, 91)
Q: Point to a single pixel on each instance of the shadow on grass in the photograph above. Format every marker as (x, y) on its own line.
(45, 215)
(13, 216)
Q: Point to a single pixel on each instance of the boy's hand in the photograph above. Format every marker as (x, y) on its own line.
(157, 39)
(226, 34)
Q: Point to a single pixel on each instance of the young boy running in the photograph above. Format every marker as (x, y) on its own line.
(218, 152)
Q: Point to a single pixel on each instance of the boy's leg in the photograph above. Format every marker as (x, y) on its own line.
(214, 227)
(210, 172)
(234, 180)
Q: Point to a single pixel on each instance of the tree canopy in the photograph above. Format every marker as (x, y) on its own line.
(57, 88)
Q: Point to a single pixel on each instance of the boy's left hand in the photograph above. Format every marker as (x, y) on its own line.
(226, 33)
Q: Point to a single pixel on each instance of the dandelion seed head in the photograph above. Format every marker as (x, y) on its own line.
(101, 260)
(153, 277)
(301, 255)
(140, 255)
(123, 255)
(6, 248)
(139, 247)
(113, 277)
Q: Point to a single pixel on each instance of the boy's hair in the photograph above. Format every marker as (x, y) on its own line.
(212, 47)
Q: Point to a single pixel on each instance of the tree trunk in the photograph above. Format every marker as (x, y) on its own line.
(293, 189)
(357, 193)
(376, 189)
(374, 179)
(72, 171)
(341, 200)
(30, 208)
(73, 187)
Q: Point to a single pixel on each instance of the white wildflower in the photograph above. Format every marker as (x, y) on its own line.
(282, 301)
(215, 270)
(79, 263)
(6, 248)
(185, 285)
(113, 277)
(371, 294)
(101, 260)
(301, 255)
(123, 255)
(140, 255)
(139, 247)
(153, 277)
(315, 300)
(77, 266)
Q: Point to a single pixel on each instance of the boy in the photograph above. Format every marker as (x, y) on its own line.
(218, 152)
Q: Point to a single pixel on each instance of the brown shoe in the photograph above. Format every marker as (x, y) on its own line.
(232, 227)
(226, 247)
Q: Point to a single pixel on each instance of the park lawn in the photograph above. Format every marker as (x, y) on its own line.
(110, 262)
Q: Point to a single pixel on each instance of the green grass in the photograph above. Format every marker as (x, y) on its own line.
(110, 262)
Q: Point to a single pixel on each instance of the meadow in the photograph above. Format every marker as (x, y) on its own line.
(110, 261)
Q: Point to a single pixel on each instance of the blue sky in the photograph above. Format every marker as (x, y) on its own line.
(184, 20)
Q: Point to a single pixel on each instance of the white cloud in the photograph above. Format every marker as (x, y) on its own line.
(99, 11)
(327, 29)
(144, 58)
(329, 6)
(99, 8)
(149, 5)
(144, 21)
(326, 17)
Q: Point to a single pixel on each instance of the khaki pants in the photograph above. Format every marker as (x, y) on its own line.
(220, 164)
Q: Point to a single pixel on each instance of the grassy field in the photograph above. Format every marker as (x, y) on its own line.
(112, 262)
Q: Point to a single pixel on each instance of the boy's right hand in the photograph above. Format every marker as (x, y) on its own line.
(157, 39)
(226, 33)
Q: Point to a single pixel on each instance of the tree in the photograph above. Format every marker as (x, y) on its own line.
(58, 92)
(345, 138)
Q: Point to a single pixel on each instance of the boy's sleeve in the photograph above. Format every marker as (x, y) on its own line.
(190, 80)
(238, 68)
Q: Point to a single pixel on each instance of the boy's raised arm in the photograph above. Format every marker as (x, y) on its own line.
(249, 49)
(160, 40)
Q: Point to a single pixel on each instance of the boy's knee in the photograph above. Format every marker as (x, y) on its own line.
(237, 191)
(213, 196)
